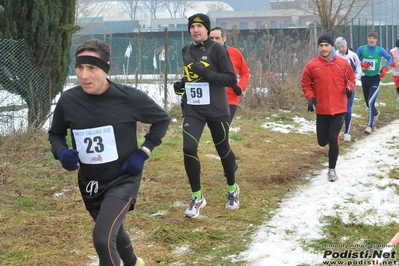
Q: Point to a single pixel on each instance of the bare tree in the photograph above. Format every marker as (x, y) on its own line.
(218, 7)
(184, 7)
(130, 7)
(177, 8)
(89, 10)
(153, 6)
(332, 13)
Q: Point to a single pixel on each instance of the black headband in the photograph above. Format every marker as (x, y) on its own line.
(92, 60)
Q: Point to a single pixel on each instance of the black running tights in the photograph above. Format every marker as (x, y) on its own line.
(192, 131)
(110, 238)
(328, 128)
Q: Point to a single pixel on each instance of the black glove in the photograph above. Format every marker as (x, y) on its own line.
(69, 159)
(134, 164)
(237, 90)
(198, 68)
(311, 104)
(348, 92)
(202, 71)
(179, 87)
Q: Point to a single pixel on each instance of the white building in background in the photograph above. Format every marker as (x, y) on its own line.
(112, 16)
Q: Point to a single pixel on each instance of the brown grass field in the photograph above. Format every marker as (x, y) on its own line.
(40, 227)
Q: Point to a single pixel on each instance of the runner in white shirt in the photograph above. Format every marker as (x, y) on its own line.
(344, 52)
(394, 52)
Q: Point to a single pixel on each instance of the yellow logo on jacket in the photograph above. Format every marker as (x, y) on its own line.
(191, 76)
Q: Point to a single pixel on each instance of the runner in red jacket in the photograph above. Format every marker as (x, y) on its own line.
(241, 69)
(327, 82)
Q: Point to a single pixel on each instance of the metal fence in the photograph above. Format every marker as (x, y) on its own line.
(137, 54)
(357, 35)
(144, 53)
(21, 86)
(142, 59)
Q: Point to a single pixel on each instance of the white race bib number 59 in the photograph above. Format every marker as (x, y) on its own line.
(197, 93)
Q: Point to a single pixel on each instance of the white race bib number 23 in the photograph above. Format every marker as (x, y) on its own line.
(197, 93)
(96, 145)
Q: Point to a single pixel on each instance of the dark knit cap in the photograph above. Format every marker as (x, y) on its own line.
(373, 33)
(199, 18)
(397, 43)
(325, 38)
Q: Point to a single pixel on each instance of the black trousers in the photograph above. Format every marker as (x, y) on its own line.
(233, 109)
(110, 239)
(108, 203)
(192, 130)
(371, 89)
(327, 130)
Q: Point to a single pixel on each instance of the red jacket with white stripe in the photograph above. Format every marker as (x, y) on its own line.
(326, 81)
(242, 71)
